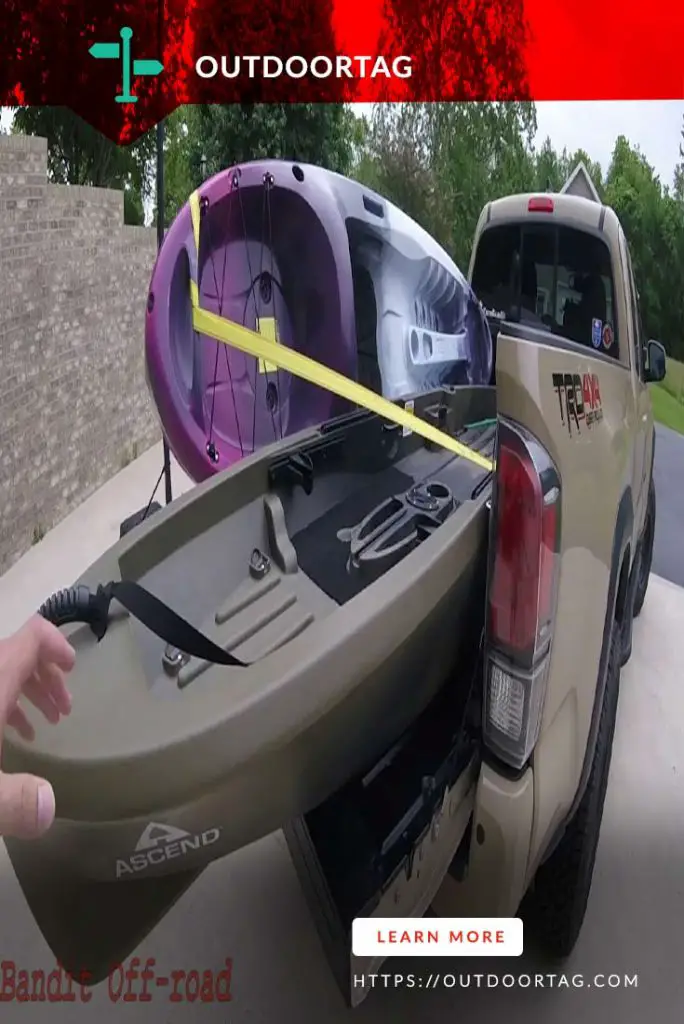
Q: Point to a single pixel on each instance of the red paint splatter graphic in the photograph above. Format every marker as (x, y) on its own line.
(460, 50)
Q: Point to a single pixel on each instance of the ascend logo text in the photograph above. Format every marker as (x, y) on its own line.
(160, 843)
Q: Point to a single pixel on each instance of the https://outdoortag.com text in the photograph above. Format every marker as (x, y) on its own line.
(437, 980)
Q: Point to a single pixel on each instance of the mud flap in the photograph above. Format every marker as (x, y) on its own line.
(91, 927)
(382, 845)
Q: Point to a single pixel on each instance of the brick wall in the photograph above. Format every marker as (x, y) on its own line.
(74, 406)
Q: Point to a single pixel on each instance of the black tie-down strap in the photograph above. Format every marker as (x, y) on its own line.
(80, 604)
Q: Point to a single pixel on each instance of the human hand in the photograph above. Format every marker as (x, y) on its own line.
(33, 663)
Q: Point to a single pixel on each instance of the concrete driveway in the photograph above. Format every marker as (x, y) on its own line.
(249, 907)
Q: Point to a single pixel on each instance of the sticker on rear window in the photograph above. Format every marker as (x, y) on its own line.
(607, 336)
(596, 331)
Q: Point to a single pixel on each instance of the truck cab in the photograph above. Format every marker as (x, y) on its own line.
(499, 814)
(560, 266)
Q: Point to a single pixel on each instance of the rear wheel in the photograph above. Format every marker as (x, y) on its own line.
(646, 559)
(556, 905)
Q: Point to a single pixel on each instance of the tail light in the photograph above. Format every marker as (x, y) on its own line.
(522, 593)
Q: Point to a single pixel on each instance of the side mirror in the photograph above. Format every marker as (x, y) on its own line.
(657, 361)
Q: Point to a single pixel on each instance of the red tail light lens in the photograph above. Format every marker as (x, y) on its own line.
(540, 204)
(521, 592)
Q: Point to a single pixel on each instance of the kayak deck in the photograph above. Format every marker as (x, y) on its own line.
(347, 637)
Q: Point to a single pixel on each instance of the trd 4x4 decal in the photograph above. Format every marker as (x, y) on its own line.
(579, 400)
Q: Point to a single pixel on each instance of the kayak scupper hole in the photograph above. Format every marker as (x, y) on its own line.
(298, 173)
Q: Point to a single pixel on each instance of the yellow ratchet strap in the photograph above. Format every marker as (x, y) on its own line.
(273, 354)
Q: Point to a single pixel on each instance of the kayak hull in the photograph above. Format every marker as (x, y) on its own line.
(290, 268)
(263, 794)
(322, 265)
(156, 773)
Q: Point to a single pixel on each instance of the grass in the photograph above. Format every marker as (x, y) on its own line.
(38, 533)
(668, 397)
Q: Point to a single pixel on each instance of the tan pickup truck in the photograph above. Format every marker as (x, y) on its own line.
(505, 816)
(468, 624)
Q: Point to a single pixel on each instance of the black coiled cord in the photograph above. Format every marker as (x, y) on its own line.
(79, 604)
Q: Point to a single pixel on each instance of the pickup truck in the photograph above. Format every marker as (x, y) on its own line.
(506, 819)
(488, 797)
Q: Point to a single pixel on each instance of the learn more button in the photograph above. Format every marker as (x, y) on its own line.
(437, 936)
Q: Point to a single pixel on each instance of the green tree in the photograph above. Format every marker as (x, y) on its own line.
(80, 155)
(551, 168)
(202, 140)
(179, 145)
(441, 162)
(678, 186)
(636, 195)
(319, 133)
(397, 159)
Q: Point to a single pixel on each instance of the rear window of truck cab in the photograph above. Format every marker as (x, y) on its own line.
(549, 276)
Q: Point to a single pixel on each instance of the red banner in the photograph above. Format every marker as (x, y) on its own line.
(125, 65)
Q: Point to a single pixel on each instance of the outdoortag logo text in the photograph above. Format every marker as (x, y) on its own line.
(270, 66)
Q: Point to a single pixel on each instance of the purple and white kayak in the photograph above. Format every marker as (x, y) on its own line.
(323, 265)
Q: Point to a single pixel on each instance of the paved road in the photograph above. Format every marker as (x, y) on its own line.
(668, 556)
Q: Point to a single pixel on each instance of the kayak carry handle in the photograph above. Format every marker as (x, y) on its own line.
(80, 604)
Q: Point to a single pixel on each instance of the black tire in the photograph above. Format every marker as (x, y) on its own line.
(555, 907)
(646, 557)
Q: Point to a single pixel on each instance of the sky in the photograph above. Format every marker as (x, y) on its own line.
(654, 125)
